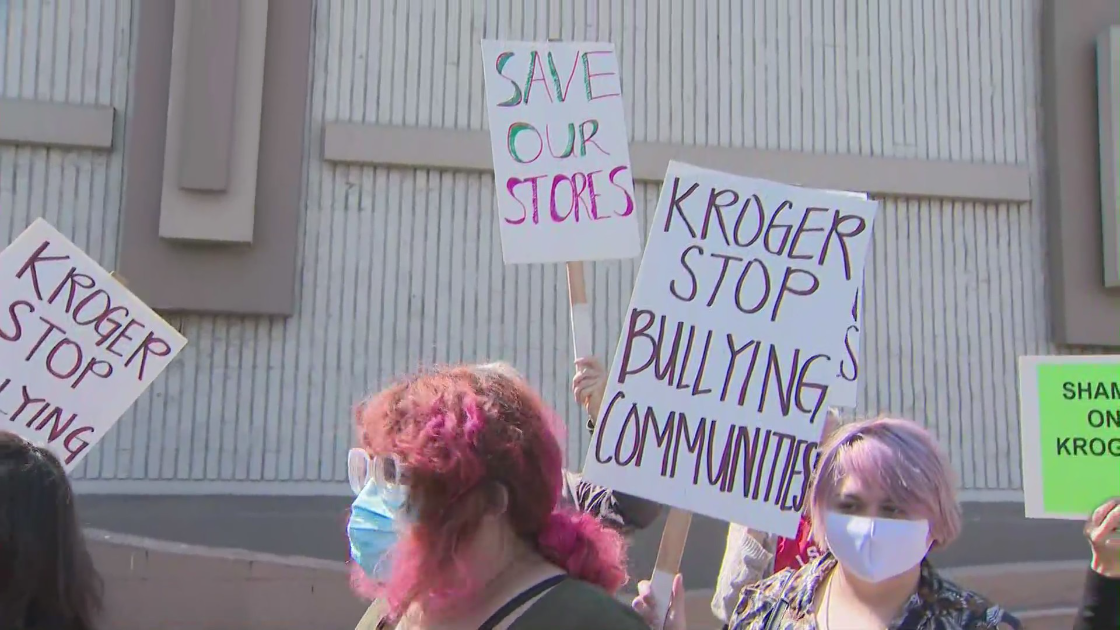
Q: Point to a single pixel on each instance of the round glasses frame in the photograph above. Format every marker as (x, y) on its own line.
(384, 471)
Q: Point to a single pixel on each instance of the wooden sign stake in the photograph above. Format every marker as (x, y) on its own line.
(580, 310)
(668, 563)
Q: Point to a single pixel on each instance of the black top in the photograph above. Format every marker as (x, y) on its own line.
(576, 605)
(520, 600)
(564, 604)
(1100, 607)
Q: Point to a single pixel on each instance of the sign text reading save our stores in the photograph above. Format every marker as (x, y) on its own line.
(561, 157)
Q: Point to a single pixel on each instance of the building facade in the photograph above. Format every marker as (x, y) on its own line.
(321, 216)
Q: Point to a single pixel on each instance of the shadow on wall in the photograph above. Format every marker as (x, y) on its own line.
(277, 562)
(171, 586)
(315, 527)
(152, 584)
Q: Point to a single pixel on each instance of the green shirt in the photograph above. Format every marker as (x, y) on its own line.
(570, 605)
(576, 605)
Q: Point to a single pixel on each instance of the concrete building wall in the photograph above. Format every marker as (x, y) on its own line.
(399, 267)
(153, 584)
(398, 263)
(77, 53)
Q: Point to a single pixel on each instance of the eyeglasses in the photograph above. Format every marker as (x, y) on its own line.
(384, 471)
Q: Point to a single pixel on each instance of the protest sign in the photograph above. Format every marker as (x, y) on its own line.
(76, 347)
(715, 401)
(561, 155)
(1069, 423)
(844, 391)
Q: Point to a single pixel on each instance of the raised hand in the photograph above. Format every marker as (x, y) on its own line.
(589, 384)
(1103, 532)
(645, 604)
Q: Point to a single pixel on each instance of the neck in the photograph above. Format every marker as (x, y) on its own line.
(888, 596)
(493, 569)
(494, 565)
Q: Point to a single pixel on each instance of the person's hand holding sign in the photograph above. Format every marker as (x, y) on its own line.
(1103, 531)
(646, 605)
(589, 384)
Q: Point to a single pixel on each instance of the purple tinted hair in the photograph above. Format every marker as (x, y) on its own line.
(898, 458)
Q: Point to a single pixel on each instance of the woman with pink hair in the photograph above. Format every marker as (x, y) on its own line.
(882, 498)
(457, 522)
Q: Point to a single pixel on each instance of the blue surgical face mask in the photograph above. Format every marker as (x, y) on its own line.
(378, 513)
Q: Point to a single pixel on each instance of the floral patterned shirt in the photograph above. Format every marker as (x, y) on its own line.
(937, 605)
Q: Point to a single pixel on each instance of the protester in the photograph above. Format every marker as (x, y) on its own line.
(882, 499)
(1101, 607)
(458, 524)
(622, 512)
(47, 579)
(751, 556)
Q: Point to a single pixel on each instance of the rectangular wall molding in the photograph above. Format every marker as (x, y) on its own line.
(214, 121)
(47, 124)
(210, 93)
(413, 147)
(233, 251)
(1083, 310)
(1108, 110)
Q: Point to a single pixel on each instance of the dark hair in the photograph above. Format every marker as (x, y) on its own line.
(47, 578)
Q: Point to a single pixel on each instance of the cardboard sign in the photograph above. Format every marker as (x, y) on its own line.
(845, 390)
(1069, 411)
(76, 347)
(716, 399)
(561, 156)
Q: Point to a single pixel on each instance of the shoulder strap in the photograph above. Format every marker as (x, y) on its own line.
(520, 599)
(777, 615)
(374, 618)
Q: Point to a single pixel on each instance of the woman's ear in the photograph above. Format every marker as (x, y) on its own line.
(499, 501)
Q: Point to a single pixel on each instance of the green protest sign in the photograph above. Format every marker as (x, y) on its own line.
(1070, 429)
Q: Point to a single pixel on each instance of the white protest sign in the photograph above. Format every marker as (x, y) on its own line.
(716, 399)
(76, 347)
(561, 157)
(844, 391)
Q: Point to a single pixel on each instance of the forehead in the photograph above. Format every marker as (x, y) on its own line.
(854, 487)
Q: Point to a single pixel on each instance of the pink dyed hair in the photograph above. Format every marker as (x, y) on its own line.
(460, 433)
(898, 458)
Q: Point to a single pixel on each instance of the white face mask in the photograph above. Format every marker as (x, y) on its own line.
(876, 549)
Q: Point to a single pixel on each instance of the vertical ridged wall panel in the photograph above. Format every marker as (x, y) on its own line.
(403, 267)
(71, 51)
